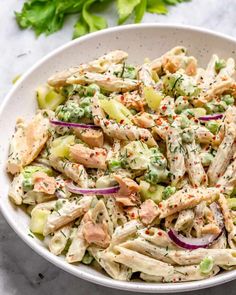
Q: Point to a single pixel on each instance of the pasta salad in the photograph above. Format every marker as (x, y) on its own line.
(133, 167)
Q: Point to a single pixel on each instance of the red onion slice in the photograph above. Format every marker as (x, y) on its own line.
(74, 125)
(92, 191)
(191, 243)
(211, 117)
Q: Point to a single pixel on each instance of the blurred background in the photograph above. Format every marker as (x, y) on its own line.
(23, 272)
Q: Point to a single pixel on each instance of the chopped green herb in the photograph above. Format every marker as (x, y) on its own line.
(220, 64)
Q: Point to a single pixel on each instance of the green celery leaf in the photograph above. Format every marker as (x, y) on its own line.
(94, 22)
(88, 22)
(47, 16)
(174, 2)
(140, 9)
(101, 5)
(41, 16)
(157, 6)
(125, 9)
(71, 6)
(80, 28)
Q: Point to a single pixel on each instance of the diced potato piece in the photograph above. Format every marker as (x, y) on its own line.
(116, 111)
(38, 220)
(60, 146)
(48, 98)
(152, 97)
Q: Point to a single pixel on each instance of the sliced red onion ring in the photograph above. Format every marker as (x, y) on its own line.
(92, 191)
(74, 125)
(211, 117)
(191, 243)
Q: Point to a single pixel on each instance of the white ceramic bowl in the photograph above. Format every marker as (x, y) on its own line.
(140, 41)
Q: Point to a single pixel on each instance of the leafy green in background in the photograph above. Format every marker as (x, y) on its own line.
(48, 16)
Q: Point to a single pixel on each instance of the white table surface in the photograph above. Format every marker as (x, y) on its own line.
(19, 265)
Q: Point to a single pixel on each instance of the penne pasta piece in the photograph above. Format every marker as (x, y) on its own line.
(182, 274)
(74, 171)
(144, 247)
(115, 270)
(106, 82)
(143, 263)
(218, 87)
(229, 70)
(58, 241)
(203, 135)
(126, 231)
(186, 199)
(78, 246)
(232, 238)
(16, 192)
(100, 214)
(103, 63)
(227, 182)
(228, 221)
(198, 222)
(145, 75)
(194, 166)
(220, 256)
(99, 65)
(185, 220)
(119, 131)
(210, 69)
(175, 155)
(220, 243)
(223, 156)
(157, 237)
(33, 198)
(115, 213)
(182, 257)
(45, 205)
(68, 212)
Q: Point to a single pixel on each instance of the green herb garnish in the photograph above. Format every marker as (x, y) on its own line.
(48, 17)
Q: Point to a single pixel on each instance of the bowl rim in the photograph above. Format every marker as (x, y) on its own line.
(107, 281)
